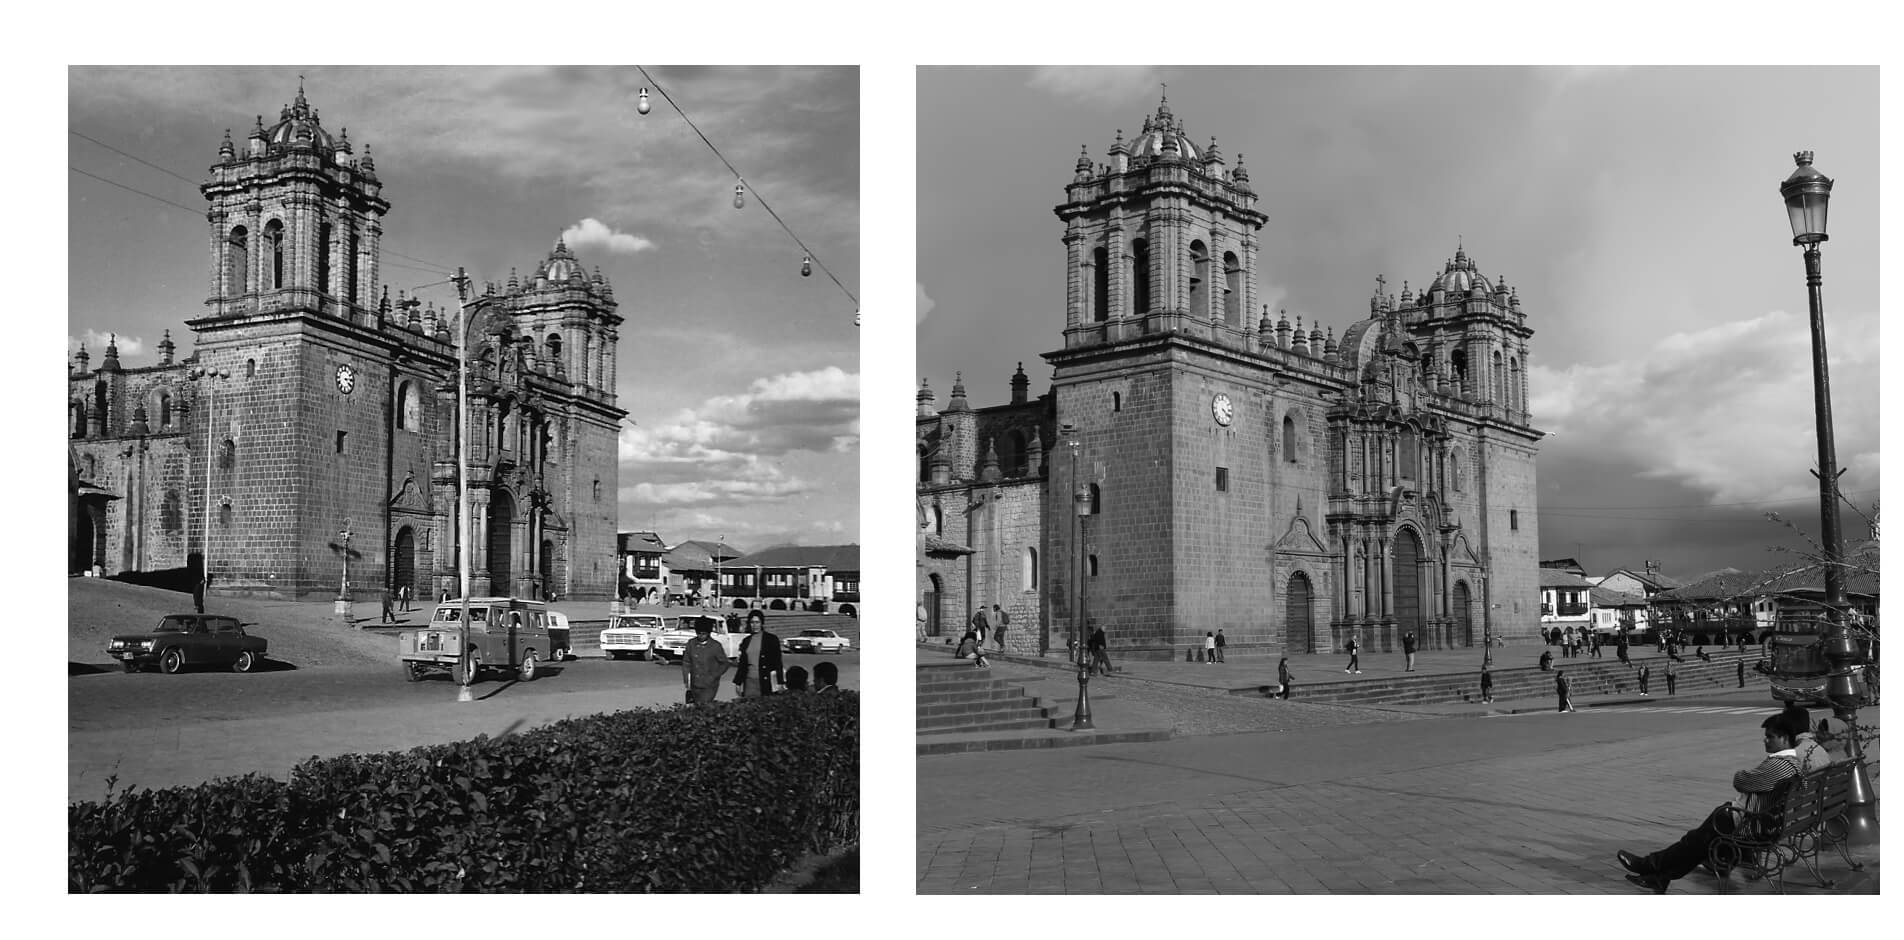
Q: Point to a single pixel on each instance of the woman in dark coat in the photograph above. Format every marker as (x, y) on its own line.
(1283, 677)
(1487, 686)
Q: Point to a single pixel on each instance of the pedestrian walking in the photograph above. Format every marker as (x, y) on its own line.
(1564, 689)
(198, 593)
(1621, 651)
(388, 617)
(981, 625)
(1672, 678)
(1355, 655)
(1283, 677)
(759, 666)
(1220, 643)
(1100, 651)
(703, 663)
(1598, 653)
(1645, 674)
(1408, 650)
(1209, 647)
(1004, 620)
(1487, 686)
(1741, 672)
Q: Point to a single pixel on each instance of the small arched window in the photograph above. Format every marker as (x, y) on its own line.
(228, 454)
(409, 407)
(162, 406)
(1096, 497)
(224, 515)
(1117, 401)
(1029, 568)
(1454, 470)
(324, 258)
(92, 466)
(1019, 459)
(1091, 565)
(1406, 457)
(554, 347)
(78, 412)
(1289, 439)
(251, 368)
(925, 465)
(238, 251)
(598, 491)
(938, 520)
(274, 245)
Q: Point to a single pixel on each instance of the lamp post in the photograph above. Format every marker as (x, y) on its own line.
(1807, 197)
(1081, 497)
(205, 375)
(343, 583)
(468, 668)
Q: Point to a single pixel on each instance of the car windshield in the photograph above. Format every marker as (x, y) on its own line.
(813, 633)
(173, 625)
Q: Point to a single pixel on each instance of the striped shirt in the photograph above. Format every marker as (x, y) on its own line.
(1778, 767)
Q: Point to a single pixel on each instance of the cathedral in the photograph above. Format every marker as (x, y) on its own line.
(1194, 468)
(311, 434)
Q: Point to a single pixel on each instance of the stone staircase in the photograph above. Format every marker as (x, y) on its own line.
(1605, 676)
(959, 698)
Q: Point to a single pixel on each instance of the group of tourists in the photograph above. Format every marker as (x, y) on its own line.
(760, 671)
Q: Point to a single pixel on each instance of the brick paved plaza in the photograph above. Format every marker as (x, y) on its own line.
(1340, 803)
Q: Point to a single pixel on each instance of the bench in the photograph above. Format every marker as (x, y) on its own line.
(1805, 817)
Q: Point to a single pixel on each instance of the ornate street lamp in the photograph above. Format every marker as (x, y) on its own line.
(1846, 649)
(1081, 497)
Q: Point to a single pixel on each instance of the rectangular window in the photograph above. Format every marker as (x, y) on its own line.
(1223, 479)
(1514, 519)
(340, 440)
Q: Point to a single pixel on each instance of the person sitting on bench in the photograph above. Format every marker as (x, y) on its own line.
(1756, 786)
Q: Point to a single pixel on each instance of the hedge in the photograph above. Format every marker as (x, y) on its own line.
(682, 799)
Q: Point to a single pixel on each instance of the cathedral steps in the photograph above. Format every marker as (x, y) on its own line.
(959, 698)
(1605, 676)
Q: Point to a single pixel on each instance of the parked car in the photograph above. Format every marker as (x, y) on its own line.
(504, 633)
(673, 644)
(182, 640)
(634, 635)
(817, 641)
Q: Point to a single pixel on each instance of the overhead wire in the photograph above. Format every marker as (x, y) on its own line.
(435, 267)
(739, 177)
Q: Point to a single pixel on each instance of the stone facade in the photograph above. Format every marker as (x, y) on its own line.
(1271, 481)
(329, 410)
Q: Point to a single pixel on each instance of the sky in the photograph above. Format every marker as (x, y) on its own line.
(740, 375)
(1635, 210)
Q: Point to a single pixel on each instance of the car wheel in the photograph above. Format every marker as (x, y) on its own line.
(246, 661)
(527, 670)
(465, 670)
(171, 661)
(412, 672)
(130, 666)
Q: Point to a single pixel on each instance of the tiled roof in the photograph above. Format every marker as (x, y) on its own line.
(830, 557)
(1607, 597)
(1554, 577)
(697, 555)
(1731, 583)
(1657, 582)
(641, 542)
(940, 545)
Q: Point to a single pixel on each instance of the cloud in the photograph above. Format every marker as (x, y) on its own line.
(925, 304)
(733, 449)
(96, 341)
(1726, 410)
(590, 233)
(1098, 84)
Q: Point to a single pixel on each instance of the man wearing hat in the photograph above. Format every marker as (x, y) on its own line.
(703, 663)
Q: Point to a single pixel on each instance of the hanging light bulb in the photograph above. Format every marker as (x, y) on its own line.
(806, 266)
(740, 195)
(641, 102)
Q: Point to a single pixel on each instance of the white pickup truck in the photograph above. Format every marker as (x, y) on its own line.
(634, 634)
(673, 643)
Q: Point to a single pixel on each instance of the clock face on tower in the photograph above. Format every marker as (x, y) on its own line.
(346, 379)
(1222, 410)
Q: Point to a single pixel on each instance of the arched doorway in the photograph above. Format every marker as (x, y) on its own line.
(1463, 614)
(502, 514)
(1408, 584)
(548, 568)
(1299, 622)
(82, 552)
(931, 604)
(403, 560)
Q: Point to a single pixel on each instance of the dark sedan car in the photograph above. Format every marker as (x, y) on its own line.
(182, 640)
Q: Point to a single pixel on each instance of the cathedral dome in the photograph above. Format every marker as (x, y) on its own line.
(298, 126)
(562, 265)
(1160, 131)
(1460, 275)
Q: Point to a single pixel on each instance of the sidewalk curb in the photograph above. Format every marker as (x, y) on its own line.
(1043, 741)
